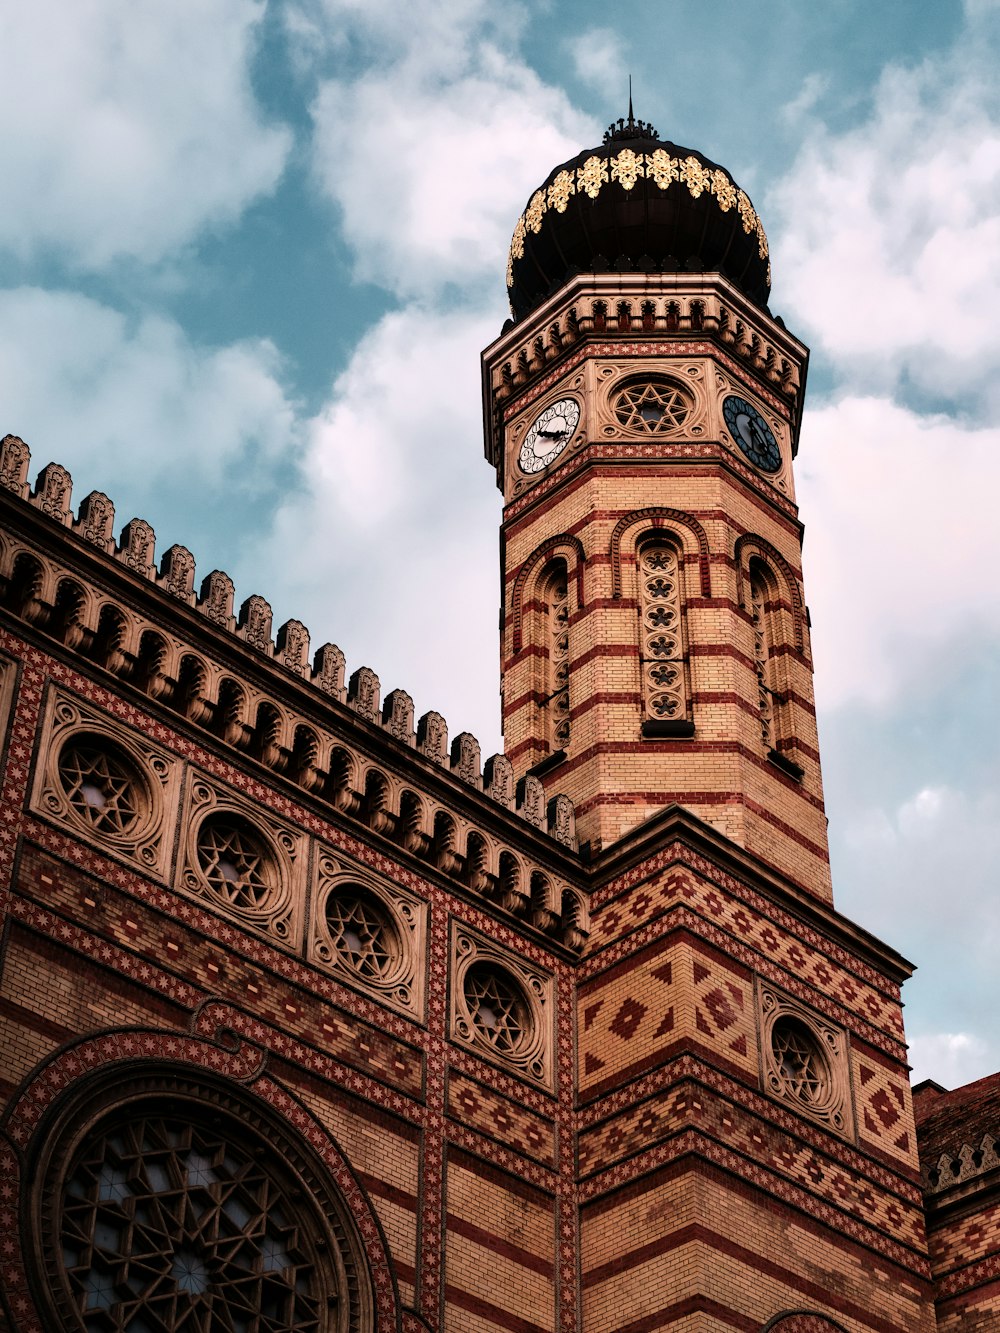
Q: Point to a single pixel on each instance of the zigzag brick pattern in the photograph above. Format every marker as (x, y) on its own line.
(660, 1118)
(795, 952)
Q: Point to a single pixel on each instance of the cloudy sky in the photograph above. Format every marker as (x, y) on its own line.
(249, 254)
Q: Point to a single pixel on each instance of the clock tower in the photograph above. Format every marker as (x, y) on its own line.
(642, 413)
(745, 1147)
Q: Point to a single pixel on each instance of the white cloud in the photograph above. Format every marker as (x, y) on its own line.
(438, 38)
(901, 545)
(431, 157)
(390, 547)
(134, 406)
(598, 56)
(814, 88)
(950, 1058)
(887, 241)
(126, 129)
(921, 871)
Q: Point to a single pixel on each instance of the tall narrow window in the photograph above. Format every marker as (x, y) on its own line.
(664, 686)
(557, 703)
(776, 727)
(762, 657)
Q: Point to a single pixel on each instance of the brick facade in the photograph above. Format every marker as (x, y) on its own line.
(572, 1039)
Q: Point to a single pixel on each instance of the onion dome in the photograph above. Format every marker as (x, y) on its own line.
(636, 204)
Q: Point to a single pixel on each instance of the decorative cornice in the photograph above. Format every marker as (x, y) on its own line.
(69, 594)
(970, 1162)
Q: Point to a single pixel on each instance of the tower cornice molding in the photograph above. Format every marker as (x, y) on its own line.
(641, 314)
(675, 831)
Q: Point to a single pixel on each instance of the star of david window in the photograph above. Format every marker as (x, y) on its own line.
(103, 787)
(363, 934)
(501, 1017)
(173, 1216)
(652, 407)
(236, 863)
(805, 1060)
(800, 1063)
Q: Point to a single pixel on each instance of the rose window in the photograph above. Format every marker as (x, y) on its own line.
(652, 407)
(103, 788)
(167, 1223)
(799, 1063)
(234, 860)
(363, 934)
(501, 1016)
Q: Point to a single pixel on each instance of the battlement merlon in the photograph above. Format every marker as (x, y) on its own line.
(51, 598)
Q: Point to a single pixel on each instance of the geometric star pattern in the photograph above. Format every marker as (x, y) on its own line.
(170, 1224)
(651, 408)
(101, 788)
(235, 864)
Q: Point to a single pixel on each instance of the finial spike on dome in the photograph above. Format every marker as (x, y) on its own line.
(629, 129)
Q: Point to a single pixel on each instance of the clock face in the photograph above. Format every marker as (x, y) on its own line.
(752, 433)
(549, 435)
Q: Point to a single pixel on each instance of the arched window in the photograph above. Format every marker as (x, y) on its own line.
(763, 647)
(169, 1205)
(662, 656)
(555, 693)
(772, 701)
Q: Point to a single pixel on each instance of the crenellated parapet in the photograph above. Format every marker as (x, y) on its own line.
(331, 740)
(972, 1161)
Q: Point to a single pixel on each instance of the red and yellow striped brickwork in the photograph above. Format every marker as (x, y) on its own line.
(682, 1102)
(457, 1162)
(591, 510)
(959, 1138)
(703, 1199)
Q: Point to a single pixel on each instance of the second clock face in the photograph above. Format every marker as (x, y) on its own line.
(752, 433)
(549, 435)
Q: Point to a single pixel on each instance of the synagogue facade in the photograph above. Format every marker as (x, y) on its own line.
(315, 1018)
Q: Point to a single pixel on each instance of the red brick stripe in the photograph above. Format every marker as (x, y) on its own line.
(695, 1232)
(491, 1314)
(498, 1245)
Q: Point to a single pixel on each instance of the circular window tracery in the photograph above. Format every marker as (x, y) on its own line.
(177, 1212)
(103, 786)
(363, 934)
(236, 863)
(501, 1015)
(652, 407)
(799, 1063)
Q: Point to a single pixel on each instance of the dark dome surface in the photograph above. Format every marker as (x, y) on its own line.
(636, 203)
